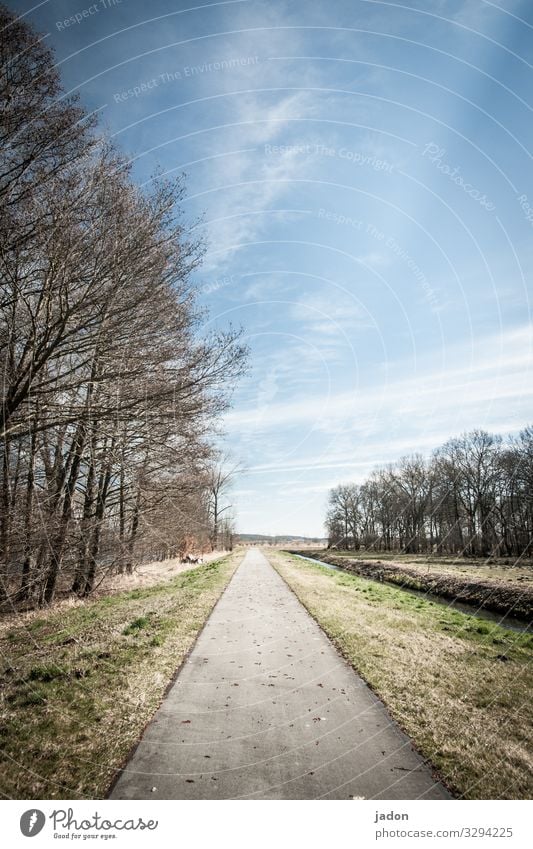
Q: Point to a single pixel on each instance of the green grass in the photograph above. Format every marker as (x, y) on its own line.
(79, 684)
(480, 568)
(460, 687)
(137, 624)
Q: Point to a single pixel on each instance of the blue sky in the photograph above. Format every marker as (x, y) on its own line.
(364, 173)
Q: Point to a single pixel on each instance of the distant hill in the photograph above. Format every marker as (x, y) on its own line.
(282, 539)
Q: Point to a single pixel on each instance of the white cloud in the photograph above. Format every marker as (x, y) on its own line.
(329, 318)
(492, 382)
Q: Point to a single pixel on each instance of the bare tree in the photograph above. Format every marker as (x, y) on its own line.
(219, 477)
(473, 497)
(110, 390)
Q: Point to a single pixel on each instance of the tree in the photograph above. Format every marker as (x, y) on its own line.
(110, 391)
(473, 497)
(219, 477)
(343, 516)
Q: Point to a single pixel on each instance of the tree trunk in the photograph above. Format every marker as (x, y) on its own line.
(103, 489)
(88, 502)
(133, 533)
(28, 510)
(58, 545)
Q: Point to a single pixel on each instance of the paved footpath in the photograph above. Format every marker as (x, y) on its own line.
(265, 708)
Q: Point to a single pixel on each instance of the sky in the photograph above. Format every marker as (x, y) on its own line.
(361, 173)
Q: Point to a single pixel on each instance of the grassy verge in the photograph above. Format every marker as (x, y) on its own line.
(460, 687)
(510, 597)
(79, 685)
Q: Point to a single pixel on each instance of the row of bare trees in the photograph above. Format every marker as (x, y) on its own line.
(474, 496)
(110, 390)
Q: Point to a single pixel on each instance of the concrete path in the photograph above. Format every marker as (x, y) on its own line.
(265, 708)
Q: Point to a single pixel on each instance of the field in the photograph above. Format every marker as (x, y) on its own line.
(504, 588)
(80, 682)
(461, 688)
(493, 569)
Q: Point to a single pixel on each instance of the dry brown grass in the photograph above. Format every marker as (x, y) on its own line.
(461, 688)
(149, 574)
(144, 576)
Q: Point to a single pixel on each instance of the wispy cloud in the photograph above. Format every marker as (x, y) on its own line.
(486, 384)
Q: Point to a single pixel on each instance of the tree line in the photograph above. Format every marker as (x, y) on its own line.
(110, 389)
(473, 496)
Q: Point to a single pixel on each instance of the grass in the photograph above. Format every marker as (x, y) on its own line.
(486, 569)
(460, 687)
(80, 684)
(513, 596)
